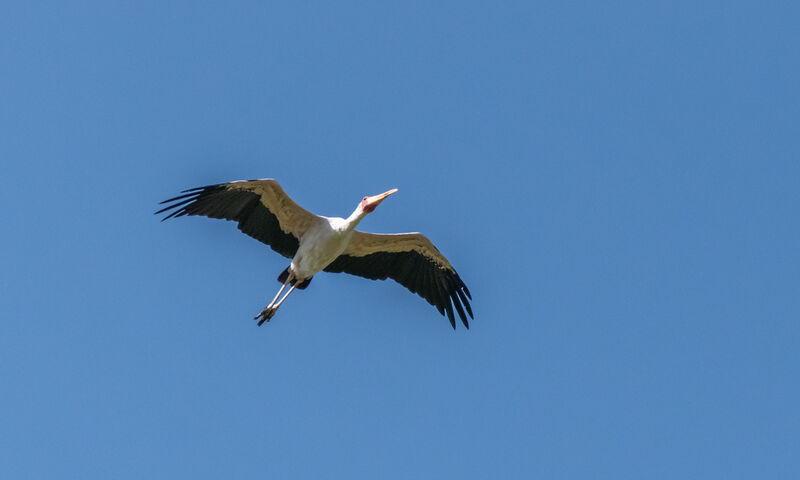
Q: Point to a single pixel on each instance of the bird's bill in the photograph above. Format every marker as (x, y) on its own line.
(371, 202)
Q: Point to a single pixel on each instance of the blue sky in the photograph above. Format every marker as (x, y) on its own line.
(616, 182)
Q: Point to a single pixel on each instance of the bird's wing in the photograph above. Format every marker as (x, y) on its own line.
(411, 260)
(261, 207)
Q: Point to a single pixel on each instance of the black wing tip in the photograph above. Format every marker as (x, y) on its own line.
(450, 296)
(465, 302)
(460, 285)
(458, 297)
(179, 210)
(450, 316)
(187, 197)
(452, 319)
(438, 284)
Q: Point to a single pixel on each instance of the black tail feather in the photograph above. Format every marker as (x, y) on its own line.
(285, 274)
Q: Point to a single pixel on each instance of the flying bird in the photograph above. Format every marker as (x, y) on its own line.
(316, 243)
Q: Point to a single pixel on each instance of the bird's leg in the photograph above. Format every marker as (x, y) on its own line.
(268, 311)
(275, 307)
(277, 294)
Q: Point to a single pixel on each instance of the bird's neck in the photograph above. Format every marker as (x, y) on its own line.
(355, 218)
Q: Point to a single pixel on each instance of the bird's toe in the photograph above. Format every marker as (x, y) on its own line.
(264, 316)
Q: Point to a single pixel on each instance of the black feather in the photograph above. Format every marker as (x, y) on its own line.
(464, 301)
(459, 308)
(230, 203)
(441, 287)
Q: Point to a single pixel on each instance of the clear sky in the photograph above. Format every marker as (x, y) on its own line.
(616, 182)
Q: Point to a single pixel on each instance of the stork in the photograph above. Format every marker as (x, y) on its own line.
(316, 243)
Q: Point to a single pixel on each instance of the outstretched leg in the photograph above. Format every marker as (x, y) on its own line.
(277, 294)
(267, 313)
(269, 310)
(275, 307)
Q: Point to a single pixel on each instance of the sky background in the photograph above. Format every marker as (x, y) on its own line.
(616, 182)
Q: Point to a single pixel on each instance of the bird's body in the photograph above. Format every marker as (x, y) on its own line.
(321, 245)
(316, 243)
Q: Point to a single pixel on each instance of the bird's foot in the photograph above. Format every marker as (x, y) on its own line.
(265, 315)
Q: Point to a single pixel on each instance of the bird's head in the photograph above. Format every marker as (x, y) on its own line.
(368, 204)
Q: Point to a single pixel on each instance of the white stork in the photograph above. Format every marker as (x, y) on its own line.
(315, 243)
